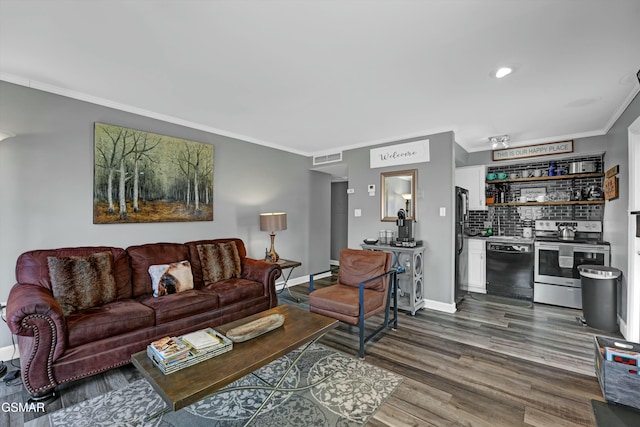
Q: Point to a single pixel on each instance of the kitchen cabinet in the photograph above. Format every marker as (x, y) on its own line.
(477, 266)
(472, 178)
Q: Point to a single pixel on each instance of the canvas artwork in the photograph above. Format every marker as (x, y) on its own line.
(145, 177)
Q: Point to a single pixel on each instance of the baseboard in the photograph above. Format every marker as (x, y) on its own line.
(9, 352)
(300, 280)
(477, 290)
(440, 306)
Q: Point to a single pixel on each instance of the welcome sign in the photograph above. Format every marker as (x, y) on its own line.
(534, 150)
(400, 154)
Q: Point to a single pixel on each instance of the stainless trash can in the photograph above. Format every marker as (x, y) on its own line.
(599, 296)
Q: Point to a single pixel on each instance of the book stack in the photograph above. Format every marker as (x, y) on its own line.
(170, 354)
(169, 350)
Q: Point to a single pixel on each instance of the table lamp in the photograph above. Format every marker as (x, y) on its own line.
(274, 221)
(407, 199)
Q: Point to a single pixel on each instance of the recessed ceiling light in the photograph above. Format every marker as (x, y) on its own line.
(503, 72)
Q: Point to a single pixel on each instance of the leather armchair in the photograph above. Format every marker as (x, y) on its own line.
(366, 284)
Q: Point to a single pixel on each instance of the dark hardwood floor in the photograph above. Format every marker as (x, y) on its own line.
(489, 364)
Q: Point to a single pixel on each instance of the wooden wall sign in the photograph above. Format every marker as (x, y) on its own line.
(611, 188)
(533, 151)
(612, 172)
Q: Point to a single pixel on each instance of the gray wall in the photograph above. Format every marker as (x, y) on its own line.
(435, 190)
(46, 187)
(616, 212)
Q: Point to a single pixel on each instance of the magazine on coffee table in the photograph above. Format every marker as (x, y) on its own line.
(210, 343)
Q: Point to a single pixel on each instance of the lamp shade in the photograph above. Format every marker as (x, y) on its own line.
(273, 221)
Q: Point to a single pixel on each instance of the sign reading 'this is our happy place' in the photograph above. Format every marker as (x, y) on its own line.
(400, 154)
(534, 150)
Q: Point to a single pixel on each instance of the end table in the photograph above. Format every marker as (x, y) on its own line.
(290, 265)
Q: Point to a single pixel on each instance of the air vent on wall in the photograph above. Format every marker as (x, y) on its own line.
(327, 158)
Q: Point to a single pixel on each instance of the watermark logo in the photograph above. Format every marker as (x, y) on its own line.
(22, 407)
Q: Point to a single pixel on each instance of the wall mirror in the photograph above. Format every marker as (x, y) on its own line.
(398, 191)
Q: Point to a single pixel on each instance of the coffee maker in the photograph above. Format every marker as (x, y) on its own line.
(405, 231)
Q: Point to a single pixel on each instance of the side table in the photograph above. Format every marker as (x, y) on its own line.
(290, 265)
(410, 284)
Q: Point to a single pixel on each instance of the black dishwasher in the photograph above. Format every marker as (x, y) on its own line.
(510, 270)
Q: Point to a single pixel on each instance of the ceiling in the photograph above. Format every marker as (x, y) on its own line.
(314, 77)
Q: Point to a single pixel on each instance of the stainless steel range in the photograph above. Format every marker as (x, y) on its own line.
(560, 247)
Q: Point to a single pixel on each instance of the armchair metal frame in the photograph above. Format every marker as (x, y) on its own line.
(393, 288)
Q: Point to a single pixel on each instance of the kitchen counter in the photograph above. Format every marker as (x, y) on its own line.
(506, 239)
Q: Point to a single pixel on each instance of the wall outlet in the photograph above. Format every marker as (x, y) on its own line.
(357, 212)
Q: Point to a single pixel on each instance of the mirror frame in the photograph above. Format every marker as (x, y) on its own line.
(413, 174)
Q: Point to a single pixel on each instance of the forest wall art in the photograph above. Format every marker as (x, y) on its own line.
(144, 177)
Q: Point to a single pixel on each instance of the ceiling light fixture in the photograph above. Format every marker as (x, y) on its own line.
(499, 139)
(503, 72)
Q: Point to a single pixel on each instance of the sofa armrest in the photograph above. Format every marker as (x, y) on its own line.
(34, 315)
(264, 272)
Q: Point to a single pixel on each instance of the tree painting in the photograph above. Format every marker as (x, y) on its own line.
(144, 177)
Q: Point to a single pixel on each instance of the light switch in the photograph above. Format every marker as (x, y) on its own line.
(357, 212)
(443, 211)
(351, 190)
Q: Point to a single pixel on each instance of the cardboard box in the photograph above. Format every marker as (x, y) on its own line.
(619, 382)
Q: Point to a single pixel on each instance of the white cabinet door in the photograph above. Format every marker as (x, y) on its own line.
(477, 266)
(473, 178)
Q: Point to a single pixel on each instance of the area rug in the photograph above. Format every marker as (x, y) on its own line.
(352, 394)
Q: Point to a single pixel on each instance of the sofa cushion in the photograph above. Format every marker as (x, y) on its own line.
(343, 299)
(81, 282)
(184, 304)
(171, 278)
(32, 266)
(144, 256)
(220, 261)
(108, 320)
(234, 290)
(194, 257)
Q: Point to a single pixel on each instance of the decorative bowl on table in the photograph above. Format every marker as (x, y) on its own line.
(370, 241)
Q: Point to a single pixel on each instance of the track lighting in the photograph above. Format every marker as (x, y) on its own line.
(499, 139)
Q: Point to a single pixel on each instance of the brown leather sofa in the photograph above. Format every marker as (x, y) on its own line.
(56, 349)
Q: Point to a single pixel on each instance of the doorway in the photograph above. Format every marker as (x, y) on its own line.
(339, 238)
(339, 219)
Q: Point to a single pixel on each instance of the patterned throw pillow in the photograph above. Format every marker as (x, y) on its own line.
(81, 282)
(220, 261)
(171, 278)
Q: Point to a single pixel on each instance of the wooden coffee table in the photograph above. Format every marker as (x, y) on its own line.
(192, 384)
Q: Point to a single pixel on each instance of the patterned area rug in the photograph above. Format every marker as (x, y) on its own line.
(349, 397)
